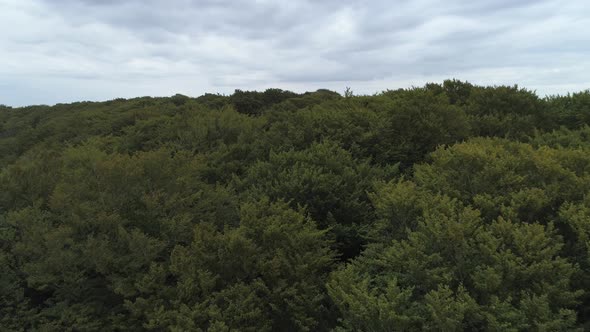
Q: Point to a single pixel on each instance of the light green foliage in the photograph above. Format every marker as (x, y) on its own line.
(508, 178)
(498, 229)
(563, 138)
(456, 272)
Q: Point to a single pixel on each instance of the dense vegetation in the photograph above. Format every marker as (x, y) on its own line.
(447, 207)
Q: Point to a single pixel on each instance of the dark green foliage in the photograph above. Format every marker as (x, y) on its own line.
(267, 273)
(446, 207)
(572, 110)
(328, 182)
(506, 112)
(253, 102)
(414, 123)
(213, 101)
(456, 91)
(179, 99)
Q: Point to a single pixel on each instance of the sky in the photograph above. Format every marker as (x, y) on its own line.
(56, 51)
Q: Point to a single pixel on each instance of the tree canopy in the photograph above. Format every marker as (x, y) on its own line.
(447, 207)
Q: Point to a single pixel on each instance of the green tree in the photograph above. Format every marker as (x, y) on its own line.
(414, 123)
(453, 271)
(266, 274)
(328, 182)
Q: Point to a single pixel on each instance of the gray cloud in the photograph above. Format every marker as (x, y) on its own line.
(67, 50)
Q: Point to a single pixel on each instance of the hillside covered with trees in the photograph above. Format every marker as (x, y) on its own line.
(446, 207)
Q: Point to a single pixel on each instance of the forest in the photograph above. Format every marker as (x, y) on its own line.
(445, 207)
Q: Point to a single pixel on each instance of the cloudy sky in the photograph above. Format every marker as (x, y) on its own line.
(55, 51)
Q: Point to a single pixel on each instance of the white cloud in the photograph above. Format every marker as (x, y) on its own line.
(67, 50)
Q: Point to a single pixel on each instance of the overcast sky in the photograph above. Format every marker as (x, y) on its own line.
(55, 51)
